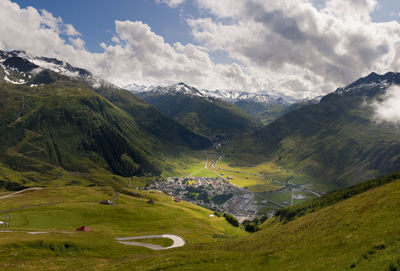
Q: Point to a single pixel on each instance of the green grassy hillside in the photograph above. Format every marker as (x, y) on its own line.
(67, 126)
(63, 209)
(205, 116)
(359, 233)
(150, 119)
(266, 113)
(336, 141)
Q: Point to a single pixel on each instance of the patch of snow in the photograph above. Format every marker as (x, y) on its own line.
(230, 96)
(135, 88)
(5, 70)
(256, 97)
(61, 69)
(175, 89)
(20, 81)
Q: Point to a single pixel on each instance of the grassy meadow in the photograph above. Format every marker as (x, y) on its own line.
(63, 209)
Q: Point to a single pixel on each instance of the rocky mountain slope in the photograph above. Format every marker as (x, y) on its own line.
(336, 140)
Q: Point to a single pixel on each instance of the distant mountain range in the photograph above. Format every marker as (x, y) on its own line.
(337, 140)
(225, 95)
(261, 106)
(199, 112)
(56, 117)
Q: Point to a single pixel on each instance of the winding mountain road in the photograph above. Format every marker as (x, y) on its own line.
(287, 185)
(178, 241)
(19, 192)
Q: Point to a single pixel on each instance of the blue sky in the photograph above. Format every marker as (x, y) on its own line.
(291, 47)
(95, 19)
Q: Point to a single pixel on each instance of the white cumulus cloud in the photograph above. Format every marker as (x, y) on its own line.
(296, 42)
(285, 47)
(171, 3)
(387, 109)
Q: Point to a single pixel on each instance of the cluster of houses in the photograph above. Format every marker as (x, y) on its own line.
(205, 191)
(212, 193)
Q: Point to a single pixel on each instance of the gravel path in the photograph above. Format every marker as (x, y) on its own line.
(178, 241)
(19, 192)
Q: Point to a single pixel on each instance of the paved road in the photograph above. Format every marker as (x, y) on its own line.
(293, 185)
(205, 166)
(178, 241)
(19, 192)
(299, 187)
(253, 174)
(291, 198)
(228, 170)
(270, 201)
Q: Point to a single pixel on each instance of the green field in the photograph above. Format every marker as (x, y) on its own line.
(67, 208)
(360, 233)
(205, 173)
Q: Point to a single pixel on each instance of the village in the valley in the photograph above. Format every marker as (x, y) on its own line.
(213, 193)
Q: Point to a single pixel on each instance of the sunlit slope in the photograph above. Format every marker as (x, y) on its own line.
(153, 121)
(68, 126)
(360, 233)
(64, 209)
(336, 141)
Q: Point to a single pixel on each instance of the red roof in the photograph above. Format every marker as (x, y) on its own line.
(83, 228)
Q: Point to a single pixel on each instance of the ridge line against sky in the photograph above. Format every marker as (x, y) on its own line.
(297, 48)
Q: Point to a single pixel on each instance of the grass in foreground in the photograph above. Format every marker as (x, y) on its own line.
(71, 207)
(360, 233)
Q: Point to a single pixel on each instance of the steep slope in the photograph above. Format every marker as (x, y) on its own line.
(56, 117)
(57, 211)
(360, 233)
(202, 114)
(150, 119)
(337, 140)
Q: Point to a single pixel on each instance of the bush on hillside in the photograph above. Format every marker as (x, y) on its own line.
(11, 186)
(253, 226)
(231, 219)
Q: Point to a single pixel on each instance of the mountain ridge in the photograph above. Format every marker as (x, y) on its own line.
(208, 116)
(336, 140)
(113, 129)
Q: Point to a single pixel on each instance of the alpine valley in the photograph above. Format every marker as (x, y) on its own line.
(199, 179)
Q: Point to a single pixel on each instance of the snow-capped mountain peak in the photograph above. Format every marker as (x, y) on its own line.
(236, 96)
(174, 89)
(230, 96)
(370, 85)
(136, 88)
(19, 67)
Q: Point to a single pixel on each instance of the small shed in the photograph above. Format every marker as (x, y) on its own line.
(83, 228)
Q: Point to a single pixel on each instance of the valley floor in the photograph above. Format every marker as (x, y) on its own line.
(360, 233)
(261, 188)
